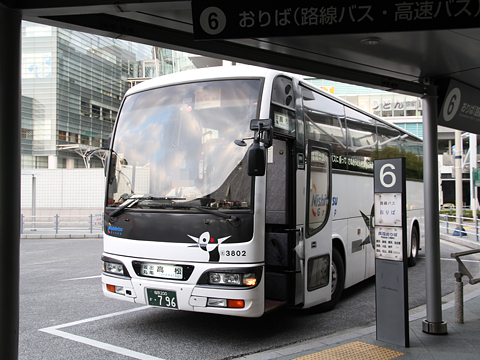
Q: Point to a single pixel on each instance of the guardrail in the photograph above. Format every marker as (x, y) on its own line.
(58, 224)
(462, 271)
(466, 227)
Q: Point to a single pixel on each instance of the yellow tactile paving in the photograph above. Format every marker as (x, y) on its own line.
(354, 351)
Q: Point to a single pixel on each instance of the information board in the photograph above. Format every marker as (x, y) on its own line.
(391, 283)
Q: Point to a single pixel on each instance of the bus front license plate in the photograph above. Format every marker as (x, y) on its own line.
(162, 298)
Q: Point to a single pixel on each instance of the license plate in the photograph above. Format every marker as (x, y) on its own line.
(162, 271)
(162, 298)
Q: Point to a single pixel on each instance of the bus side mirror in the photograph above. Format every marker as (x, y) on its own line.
(256, 160)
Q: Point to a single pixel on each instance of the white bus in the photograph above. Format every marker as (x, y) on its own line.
(196, 220)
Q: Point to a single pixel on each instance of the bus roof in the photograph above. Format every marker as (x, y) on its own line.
(211, 73)
(244, 71)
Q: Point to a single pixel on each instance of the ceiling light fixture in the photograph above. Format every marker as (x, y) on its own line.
(371, 41)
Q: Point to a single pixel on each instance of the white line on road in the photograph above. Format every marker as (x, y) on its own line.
(54, 330)
(83, 278)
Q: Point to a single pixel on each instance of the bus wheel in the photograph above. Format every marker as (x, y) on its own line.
(338, 281)
(412, 259)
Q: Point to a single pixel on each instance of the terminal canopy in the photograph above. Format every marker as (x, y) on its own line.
(388, 45)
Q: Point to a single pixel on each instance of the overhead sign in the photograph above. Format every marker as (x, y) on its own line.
(219, 19)
(461, 108)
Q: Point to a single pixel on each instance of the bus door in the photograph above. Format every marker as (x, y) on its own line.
(318, 227)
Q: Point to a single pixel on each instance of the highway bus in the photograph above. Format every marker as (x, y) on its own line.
(239, 190)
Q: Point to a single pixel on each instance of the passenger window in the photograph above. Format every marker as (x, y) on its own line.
(324, 121)
(388, 142)
(410, 149)
(362, 141)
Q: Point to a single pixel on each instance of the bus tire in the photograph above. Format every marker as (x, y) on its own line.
(412, 259)
(338, 281)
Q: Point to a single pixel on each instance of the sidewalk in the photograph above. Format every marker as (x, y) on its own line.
(461, 342)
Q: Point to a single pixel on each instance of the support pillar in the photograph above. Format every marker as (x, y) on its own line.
(10, 137)
(458, 179)
(473, 165)
(433, 324)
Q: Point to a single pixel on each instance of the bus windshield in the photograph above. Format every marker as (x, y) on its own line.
(175, 144)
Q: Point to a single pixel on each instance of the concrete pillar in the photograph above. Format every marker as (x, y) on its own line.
(52, 161)
(10, 137)
(434, 323)
(70, 163)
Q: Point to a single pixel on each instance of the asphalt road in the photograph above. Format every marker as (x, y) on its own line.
(64, 315)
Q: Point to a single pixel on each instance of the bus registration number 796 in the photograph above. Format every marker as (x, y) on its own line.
(162, 298)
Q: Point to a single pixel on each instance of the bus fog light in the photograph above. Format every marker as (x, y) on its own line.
(217, 302)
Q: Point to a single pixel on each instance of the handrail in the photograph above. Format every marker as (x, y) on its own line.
(56, 223)
(462, 271)
(448, 224)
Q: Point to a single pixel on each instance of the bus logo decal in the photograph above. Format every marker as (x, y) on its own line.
(370, 223)
(209, 244)
(318, 203)
(114, 230)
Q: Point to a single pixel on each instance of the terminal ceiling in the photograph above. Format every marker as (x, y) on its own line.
(401, 61)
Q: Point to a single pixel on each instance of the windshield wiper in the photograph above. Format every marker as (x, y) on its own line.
(134, 200)
(203, 209)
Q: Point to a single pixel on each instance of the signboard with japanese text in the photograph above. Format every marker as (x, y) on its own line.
(460, 108)
(391, 276)
(215, 19)
(388, 209)
(388, 243)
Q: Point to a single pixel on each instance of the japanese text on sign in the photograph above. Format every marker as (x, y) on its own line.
(388, 243)
(216, 19)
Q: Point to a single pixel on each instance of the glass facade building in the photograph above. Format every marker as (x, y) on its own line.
(72, 86)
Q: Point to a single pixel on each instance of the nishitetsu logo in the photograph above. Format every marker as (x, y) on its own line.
(209, 244)
(114, 230)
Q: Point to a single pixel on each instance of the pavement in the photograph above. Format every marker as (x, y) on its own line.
(462, 341)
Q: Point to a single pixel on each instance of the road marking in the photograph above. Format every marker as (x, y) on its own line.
(83, 278)
(54, 330)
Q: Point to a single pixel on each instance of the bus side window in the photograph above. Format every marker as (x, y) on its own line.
(388, 142)
(410, 148)
(362, 141)
(324, 121)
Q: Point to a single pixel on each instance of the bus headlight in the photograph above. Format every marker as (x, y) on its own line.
(235, 279)
(114, 267)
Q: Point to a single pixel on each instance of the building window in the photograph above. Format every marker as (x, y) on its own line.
(62, 135)
(27, 134)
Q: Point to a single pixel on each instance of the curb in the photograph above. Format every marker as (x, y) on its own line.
(458, 240)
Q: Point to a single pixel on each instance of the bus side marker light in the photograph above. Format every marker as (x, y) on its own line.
(115, 289)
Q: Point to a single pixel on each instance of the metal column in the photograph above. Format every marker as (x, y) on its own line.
(10, 135)
(433, 324)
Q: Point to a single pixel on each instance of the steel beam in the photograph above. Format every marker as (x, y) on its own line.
(10, 135)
